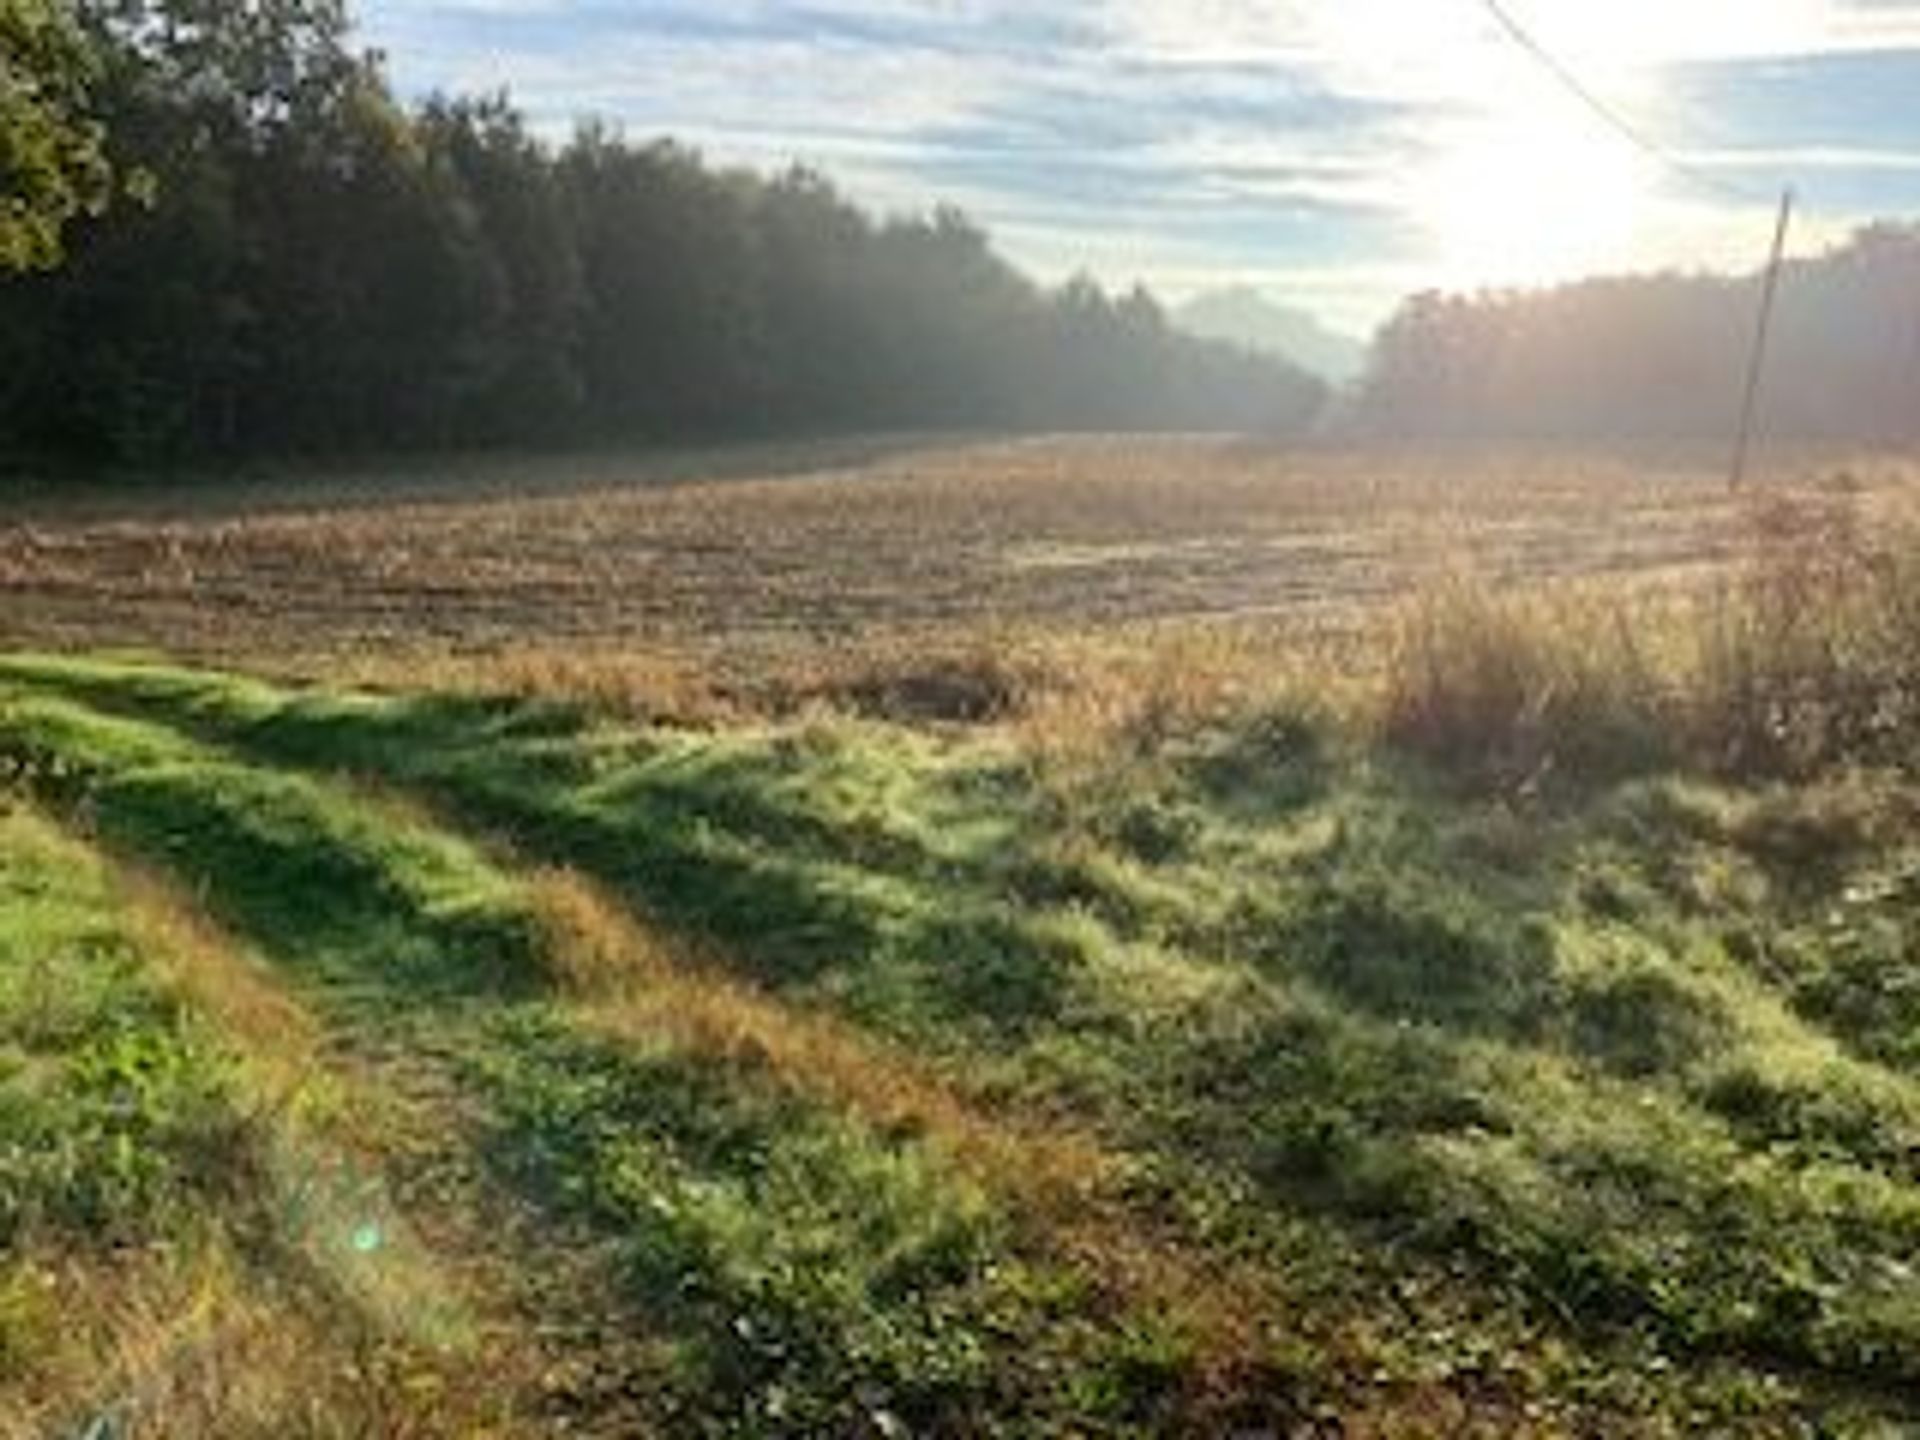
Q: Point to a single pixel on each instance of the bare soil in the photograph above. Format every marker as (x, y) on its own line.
(735, 549)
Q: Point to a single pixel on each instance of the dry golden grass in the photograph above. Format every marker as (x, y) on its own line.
(1058, 694)
(204, 1345)
(1802, 653)
(649, 685)
(1522, 683)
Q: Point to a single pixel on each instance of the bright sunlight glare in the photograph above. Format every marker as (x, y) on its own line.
(1530, 197)
(1527, 185)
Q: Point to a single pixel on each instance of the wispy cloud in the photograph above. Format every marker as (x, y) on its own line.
(1344, 149)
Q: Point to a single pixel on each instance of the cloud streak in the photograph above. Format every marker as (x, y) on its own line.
(1293, 143)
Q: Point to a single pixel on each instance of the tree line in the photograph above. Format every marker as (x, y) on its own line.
(1661, 357)
(294, 261)
(222, 234)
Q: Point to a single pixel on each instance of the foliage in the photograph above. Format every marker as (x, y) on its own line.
(323, 271)
(51, 148)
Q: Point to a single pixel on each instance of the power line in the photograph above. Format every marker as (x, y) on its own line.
(1638, 137)
(1645, 142)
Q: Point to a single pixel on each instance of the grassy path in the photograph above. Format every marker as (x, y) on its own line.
(201, 1230)
(874, 1084)
(374, 1171)
(380, 1169)
(802, 1212)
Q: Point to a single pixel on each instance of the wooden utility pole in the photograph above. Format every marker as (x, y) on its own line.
(1757, 364)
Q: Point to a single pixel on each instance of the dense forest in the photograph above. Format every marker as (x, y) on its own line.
(1661, 357)
(225, 236)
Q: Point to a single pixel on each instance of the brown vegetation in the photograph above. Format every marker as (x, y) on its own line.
(563, 585)
(1803, 653)
(1774, 636)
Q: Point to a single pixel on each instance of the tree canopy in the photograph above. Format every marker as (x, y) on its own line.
(1662, 357)
(323, 269)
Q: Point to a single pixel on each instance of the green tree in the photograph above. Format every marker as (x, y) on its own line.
(162, 320)
(323, 269)
(527, 380)
(53, 167)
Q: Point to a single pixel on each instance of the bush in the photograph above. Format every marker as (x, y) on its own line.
(1811, 654)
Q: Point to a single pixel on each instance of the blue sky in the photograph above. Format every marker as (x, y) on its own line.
(1334, 153)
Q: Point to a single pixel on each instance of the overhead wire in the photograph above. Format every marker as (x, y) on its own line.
(1633, 132)
(1644, 141)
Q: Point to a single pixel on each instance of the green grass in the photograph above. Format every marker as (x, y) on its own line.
(812, 1273)
(277, 855)
(804, 1268)
(1611, 1085)
(180, 1247)
(120, 1113)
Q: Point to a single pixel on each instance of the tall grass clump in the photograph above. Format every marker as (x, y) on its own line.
(1806, 655)
(1514, 686)
(1810, 653)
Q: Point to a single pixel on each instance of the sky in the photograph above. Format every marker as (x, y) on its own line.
(1335, 154)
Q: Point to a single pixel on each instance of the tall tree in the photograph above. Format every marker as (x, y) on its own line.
(1661, 357)
(161, 318)
(527, 378)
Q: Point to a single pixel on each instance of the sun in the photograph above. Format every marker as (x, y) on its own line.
(1529, 194)
(1519, 181)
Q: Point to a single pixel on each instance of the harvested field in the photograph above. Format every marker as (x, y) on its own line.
(735, 550)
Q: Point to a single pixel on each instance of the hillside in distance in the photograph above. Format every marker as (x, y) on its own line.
(1241, 315)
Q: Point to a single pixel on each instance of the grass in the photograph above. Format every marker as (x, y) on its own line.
(1238, 1028)
(177, 1261)
(1799, 658)
(120, 1112)
(408, 940)
(1519, 1037)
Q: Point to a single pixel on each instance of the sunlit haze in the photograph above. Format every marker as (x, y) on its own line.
(1343, 152)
